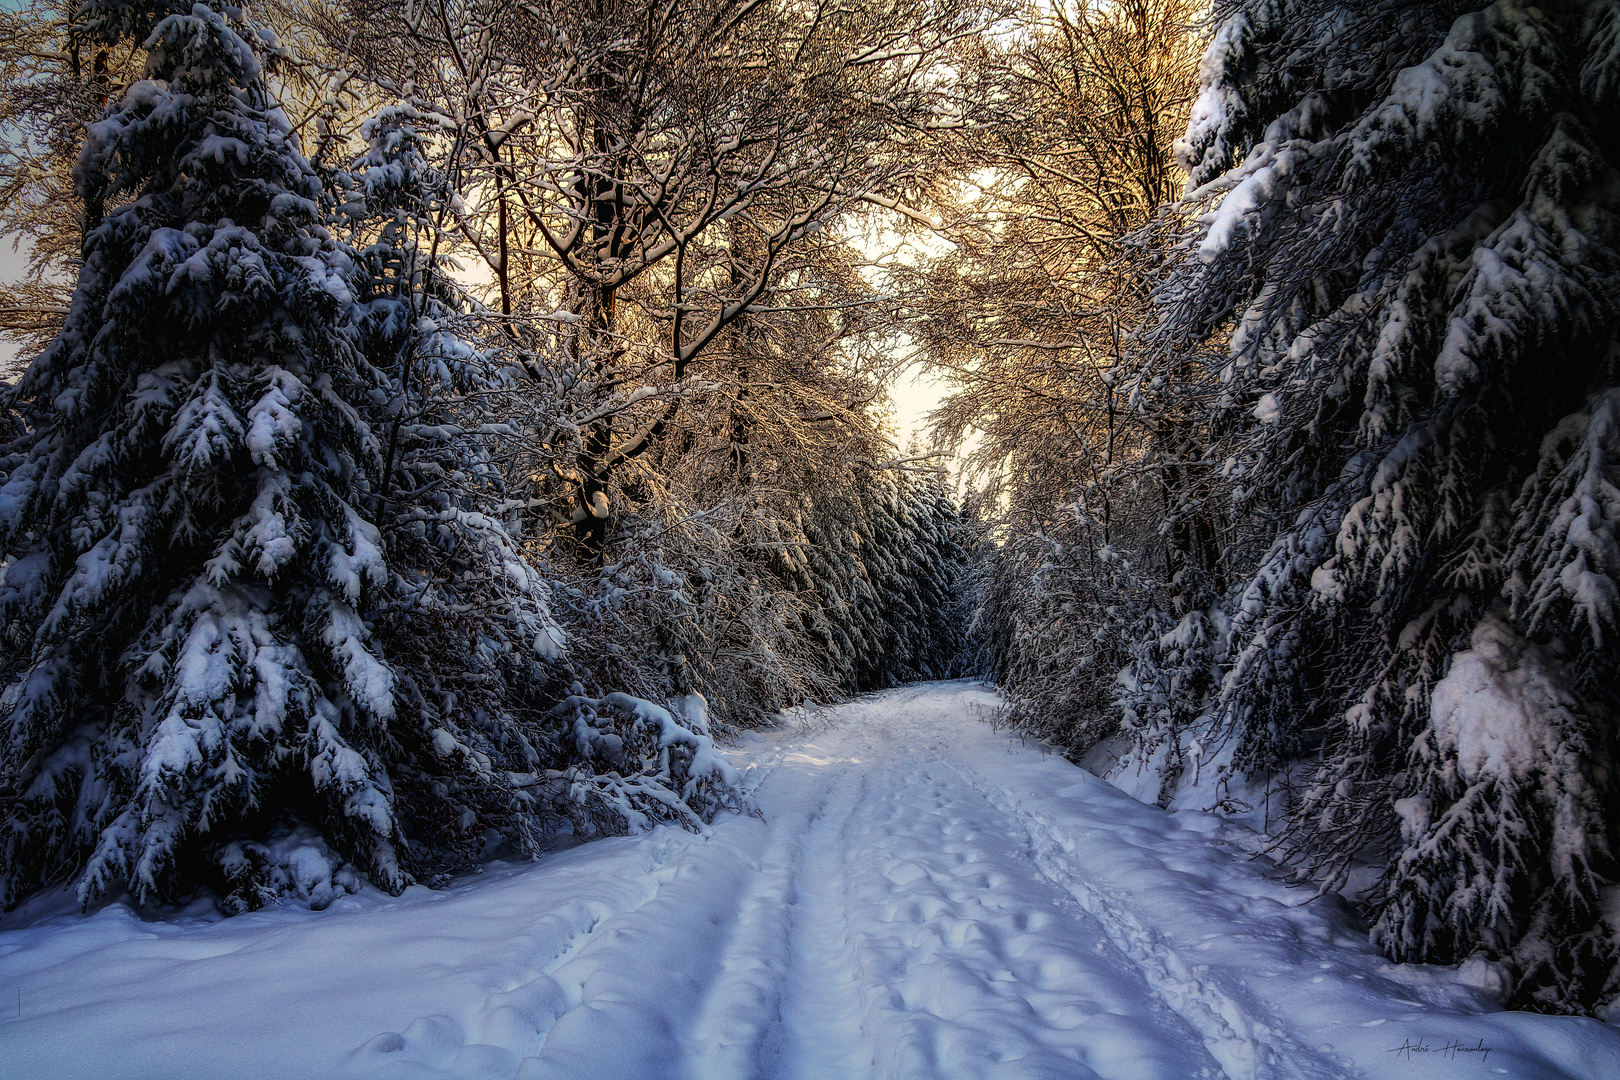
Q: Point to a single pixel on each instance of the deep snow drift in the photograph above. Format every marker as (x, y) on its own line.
(924, 897)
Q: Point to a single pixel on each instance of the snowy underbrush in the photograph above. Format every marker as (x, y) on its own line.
(1496, 857)
(763, 603)
(681, 609)
(1054, 622)
(640, 765)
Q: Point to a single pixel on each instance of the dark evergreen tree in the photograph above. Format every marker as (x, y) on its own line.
(1411, 269)
(246, 586)
(880, 560)
(187, 556)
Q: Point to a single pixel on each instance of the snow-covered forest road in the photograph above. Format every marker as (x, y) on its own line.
(924, 897)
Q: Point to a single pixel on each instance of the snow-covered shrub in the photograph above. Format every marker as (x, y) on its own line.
(1054, 623)
(251, 584)
(1162, 691)
(1411, 255)
(640, 763)
(685, 607)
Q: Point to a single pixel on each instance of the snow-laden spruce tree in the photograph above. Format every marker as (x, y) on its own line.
(1410, 265)
(186, 553)
(881, 558)
(254, 625)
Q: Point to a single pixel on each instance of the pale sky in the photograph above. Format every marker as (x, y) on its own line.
(914, 395)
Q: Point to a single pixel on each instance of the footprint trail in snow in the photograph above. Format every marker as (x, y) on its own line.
(924, 898)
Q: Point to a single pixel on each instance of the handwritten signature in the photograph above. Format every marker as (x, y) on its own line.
(1450, 1050)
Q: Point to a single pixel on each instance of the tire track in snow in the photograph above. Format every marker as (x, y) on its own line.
(956, 957)
(1281, 990)
(997, 964)
(784, 1003)
(1246, 1046)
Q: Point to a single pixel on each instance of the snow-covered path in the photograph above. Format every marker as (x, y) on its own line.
(924, 897)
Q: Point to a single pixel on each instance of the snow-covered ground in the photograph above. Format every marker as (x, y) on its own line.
(924, 897)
